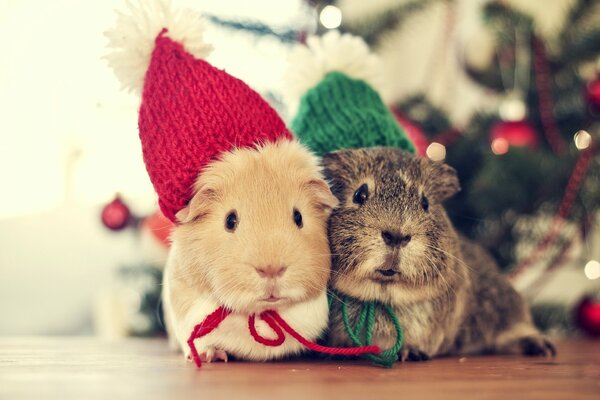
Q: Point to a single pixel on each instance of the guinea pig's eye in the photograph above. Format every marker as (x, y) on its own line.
(231, 221)
(361, 195)
(424, 203)
(298, 218)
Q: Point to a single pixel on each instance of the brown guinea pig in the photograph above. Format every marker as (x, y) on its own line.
(392, 242)
(253, 237)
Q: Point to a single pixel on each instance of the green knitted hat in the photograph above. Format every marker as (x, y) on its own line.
(338, 109)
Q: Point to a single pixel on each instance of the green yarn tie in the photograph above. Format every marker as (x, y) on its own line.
(361, 333)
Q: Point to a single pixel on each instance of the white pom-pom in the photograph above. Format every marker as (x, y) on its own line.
(331, 52)
(132, 39)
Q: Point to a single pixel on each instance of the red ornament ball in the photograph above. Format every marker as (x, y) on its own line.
(587, 316)
(116, 215)
(512, 133)
(414, 132)
(160, 227)
(592, 93)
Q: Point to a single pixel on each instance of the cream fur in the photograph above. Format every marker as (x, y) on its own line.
(209, 266)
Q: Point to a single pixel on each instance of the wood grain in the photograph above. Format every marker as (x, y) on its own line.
(87, 368)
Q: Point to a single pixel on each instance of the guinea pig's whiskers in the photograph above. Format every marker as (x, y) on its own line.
(442, 278)
(351, 262)
(338, 298)
(339, 273)
(426, 270)
(232, 287)
(235, 283)
(450, 255)
(447, 270)
(186, 274)
(190, 272)
(432, 264)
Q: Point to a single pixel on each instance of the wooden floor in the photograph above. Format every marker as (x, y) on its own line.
(85, 368)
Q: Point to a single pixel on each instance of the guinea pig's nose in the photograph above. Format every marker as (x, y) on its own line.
(395, 239)
(271, 271)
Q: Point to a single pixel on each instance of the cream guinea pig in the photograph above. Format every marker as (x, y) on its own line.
(254, 237)
(249, 202)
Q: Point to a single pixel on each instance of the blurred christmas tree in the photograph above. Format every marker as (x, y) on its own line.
(507, 92)
(514, 161)
(131, 304)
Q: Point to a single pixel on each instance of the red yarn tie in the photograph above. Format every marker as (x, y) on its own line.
(278, 325)
(273, 325)
(347, 351)
(209, 324)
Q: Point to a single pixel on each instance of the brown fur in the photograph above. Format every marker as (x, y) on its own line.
(446, 291)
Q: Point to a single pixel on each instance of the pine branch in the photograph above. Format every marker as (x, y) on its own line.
(503, 21)
(505, 18)
(256, 28)
(372, 29)
(581, 49)
(580, 38)
(578, 12)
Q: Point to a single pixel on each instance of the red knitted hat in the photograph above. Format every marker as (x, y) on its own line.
(191, 112)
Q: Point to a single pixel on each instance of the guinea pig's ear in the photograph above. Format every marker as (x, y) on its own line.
(442, 180)
(198, 206)
(332, 162)
(336, 172)
(320, 194)
(329, 158)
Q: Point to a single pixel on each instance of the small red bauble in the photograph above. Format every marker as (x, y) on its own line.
(587, 316)
(592, 93)
(414, 132)
(116, 215)
(159, 226)
(512, 133)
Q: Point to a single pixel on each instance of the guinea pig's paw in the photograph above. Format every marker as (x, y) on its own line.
(411, 353)
(536, 345)
(213, 355)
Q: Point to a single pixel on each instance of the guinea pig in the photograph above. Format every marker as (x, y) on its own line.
(392, 242)
(253, 238)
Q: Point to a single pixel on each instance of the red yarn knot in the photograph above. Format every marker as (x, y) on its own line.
(278, 325)
(262, 340)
